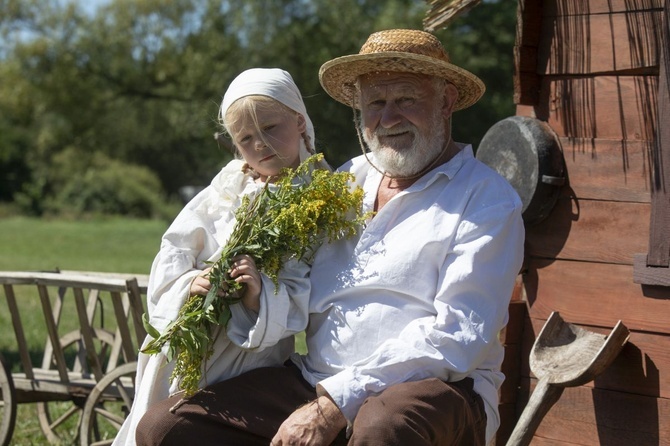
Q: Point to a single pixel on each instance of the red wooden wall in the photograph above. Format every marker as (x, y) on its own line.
(591, 70)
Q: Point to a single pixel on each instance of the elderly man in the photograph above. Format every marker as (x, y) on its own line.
(404, 320)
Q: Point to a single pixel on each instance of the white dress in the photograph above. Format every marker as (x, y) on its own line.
(251, 340)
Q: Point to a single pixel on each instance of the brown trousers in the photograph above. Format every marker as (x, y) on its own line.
(248, 410)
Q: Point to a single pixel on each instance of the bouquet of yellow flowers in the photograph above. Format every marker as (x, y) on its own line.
(285, 220)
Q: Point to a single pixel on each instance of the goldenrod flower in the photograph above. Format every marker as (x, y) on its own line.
(286, 220)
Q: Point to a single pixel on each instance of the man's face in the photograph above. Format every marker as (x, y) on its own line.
(403, 120)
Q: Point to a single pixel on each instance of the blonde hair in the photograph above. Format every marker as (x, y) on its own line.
(250, 106)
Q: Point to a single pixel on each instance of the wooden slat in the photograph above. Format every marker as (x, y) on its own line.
(513, 331)
(529, 28)
(658, 254)
(26, 362)
(595, 294)
(529, 22)
(650, 275)
(526, 59)
(602, 43)
(510, 367)
(508, 418)
(87, 334)
(136, 309)
(600, 417)
(579, 7)
(121, 313)
(52, 330)
(604, 107)
(527, 87)
(602, 169)
(512, 337)
(83, 280)
(590, 230)
(641, 368)
(539, 441)
(142, 279)
(47, 356)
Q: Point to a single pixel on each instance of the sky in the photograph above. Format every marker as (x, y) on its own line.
(89, 5)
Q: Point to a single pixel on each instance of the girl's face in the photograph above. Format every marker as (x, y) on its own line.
(271, 143)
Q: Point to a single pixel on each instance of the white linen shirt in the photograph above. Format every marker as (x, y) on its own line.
(423, 292)
(196, 237)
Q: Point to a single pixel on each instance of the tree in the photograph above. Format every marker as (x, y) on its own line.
(141, 80)
(482, 41)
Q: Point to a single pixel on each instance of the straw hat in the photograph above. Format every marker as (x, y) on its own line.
(398, 50)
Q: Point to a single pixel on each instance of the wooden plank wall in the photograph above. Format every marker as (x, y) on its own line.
(590, 69)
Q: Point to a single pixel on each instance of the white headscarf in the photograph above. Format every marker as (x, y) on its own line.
(272, 82)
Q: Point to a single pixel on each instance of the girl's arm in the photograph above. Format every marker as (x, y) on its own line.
(283, 310)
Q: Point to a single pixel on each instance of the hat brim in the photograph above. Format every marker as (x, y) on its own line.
(338, 76)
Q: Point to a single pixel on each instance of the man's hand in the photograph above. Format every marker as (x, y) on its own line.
(315, 423)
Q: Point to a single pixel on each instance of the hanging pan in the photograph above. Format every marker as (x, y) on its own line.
(528, 154)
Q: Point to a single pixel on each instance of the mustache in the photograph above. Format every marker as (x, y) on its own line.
(393, 131)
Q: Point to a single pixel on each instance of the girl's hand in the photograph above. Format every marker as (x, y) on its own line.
(244, 271)
(201, 284)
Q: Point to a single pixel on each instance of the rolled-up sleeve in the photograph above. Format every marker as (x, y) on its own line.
(283, 310)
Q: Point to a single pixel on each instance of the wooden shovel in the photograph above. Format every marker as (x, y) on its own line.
(564, 355)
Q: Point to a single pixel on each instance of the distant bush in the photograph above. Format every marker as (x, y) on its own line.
(78, 184)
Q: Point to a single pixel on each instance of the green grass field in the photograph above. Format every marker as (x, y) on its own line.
(111, 245)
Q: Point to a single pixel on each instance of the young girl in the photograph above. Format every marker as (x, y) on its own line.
(265, 116)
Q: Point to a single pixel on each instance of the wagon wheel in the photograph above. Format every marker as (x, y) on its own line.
(7, 404)
(60, 420)
(107, 406)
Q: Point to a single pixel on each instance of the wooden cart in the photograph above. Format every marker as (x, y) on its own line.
(83, 384)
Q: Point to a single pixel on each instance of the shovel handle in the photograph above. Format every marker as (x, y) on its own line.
(544, 396)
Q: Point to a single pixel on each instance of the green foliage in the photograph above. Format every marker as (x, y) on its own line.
(482, 41)
(112, 187)
(283, 221)
(82, 184)
(140, 81)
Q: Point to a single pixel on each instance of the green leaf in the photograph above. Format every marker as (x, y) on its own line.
(225, 316)
(211, 295)
(170, 353)
(151, 349)
(150, 328)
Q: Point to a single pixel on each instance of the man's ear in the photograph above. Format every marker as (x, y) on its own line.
(302, 123)
(450, 98)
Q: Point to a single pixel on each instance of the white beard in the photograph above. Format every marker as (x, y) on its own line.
(408, 161)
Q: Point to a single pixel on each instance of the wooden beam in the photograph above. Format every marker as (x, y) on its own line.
(590, 231)
(529, 28)
(596, 294)
(654, 268)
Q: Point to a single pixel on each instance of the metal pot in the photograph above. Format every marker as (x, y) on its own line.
(528, 154)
